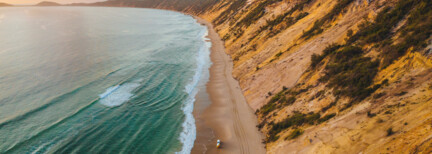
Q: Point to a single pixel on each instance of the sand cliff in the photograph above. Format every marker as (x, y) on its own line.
(272, 58)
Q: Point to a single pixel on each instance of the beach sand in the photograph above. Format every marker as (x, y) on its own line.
(224, 114)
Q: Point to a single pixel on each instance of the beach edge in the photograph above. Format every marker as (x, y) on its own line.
(228, 115)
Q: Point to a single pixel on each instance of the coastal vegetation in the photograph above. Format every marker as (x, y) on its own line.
(256, 13)
(349, 73)
(414, 34)
(296, 120)
(363, 65)
(316, 58)
(317, 27)
(233, 6)
(283, 98)
(285, 18)
(294, 134)
(346, 68)
(252, 16)
(390, 131)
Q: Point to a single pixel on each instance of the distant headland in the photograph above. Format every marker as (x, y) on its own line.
(4, 4)
(47, 3)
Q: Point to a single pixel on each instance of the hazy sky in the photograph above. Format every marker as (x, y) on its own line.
(37, 1)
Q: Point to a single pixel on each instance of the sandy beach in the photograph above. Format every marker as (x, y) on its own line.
(228, 117)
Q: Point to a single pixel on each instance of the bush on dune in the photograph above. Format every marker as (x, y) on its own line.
(351, 74)
(317, 27)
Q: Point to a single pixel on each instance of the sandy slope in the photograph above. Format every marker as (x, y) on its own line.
(228, 115)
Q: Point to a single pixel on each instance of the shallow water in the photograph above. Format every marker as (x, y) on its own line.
(99, 80)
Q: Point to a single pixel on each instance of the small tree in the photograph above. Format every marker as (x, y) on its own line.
(390, 131)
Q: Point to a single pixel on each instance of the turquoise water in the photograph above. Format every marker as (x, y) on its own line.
(98, 80)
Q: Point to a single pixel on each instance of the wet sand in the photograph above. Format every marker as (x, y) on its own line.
(223, 113)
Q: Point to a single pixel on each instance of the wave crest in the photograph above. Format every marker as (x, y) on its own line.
(119, 94)
(188, 135)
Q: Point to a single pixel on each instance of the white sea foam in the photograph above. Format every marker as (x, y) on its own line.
(188, 135)
(119, 94)
(109, 91)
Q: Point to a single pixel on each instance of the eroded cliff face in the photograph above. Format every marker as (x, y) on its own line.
(266, 59)
(367, 89)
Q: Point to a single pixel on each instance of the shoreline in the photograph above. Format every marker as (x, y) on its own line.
(220, 109)
(224, 114)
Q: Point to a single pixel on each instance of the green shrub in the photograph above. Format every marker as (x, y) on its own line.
(319, 94)
(317, 27)
(324, 109)
(390, 131)
(290, 100)
(384, 22)
(327, 117)
(260, 125)
(286, 17)
(294, 134)
(401, 93)
(272, 104)
(278, 54)
(413, 34)
(316, 59)
(301, 16)
(379, 95)
(297, 119)
(302, 90)
(370, 115)
(350, 33)
(268, 108)
(255, 14)
(234, 6)
(282, 98)
(351, 74)
(226, 37)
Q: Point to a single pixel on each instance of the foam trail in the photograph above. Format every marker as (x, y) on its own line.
(119, 94)
(109, 91)
(188, 135)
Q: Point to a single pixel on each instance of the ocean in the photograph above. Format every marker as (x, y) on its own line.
(99, 79)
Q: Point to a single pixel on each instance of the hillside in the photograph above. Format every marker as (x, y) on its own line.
(4, 4)
(46, 3)
(190, 6)
(328, 76)
(334, 76)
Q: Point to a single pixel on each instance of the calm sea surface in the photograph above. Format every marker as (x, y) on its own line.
(99, 80)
